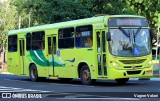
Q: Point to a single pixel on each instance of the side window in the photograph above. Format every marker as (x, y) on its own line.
(54, 44)
(98, 42)
(12, 43)
(84, 36)
(38, 40)
(21, 45)
(28, 41)
(66, 38)
(49, 46)
(50, 43)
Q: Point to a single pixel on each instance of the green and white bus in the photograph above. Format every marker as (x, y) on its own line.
(110, 47)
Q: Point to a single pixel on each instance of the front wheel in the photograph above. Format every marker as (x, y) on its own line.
(85, 75)
(34, 74)
(122, 80)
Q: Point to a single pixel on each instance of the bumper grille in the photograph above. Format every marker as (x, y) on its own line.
(132, 67)
(132, 61)
(133, 72)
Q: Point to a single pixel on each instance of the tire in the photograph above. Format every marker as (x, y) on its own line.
(33, 73)
(122, 80)
(85, 75)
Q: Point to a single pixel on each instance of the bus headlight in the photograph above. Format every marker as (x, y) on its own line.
(149, 64)
(115, 65)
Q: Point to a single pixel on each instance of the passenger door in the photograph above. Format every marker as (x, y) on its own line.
(52, 47)
(101, 53)
(21, 55)
(13, 55)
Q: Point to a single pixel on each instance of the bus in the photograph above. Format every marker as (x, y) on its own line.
(109, 47)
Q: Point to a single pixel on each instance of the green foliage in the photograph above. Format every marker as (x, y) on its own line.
(112, 7)
(147, 8)
(8, 20)
(39, 12)
(51, 11)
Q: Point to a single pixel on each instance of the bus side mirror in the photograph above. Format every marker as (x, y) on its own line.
(108, 34)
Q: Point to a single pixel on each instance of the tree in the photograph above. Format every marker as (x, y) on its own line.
(147, 8)
(112, 7)
(38, 12)
(51, 11)
(7, 19)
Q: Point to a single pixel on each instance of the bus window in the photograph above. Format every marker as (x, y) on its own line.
(66, 38)
(98, 42)
(12, 43)
(54, 44)
(21, 45)
(50, 45)
(103, 41)
(38, 40)
(84, 36)
(28, 41)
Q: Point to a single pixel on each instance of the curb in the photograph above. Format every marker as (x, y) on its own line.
(155, 79)
(151, 79)
(6, 73)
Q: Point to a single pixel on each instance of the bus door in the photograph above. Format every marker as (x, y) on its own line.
(13, 54)
(21, 54)
(101, 53)
(51, 53)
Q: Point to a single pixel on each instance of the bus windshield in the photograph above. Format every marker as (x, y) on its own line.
(129, 42)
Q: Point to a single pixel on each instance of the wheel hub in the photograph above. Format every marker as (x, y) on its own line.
(34, 73)
(86, 75)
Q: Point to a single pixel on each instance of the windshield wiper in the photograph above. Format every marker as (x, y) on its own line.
(130, 36)
(135, 34)
(124, 32)
(137, 31)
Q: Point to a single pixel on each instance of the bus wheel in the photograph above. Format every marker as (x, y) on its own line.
(33, 73)
(85, 75)
(122, 80)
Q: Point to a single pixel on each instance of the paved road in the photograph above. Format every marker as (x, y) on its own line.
(133, 90)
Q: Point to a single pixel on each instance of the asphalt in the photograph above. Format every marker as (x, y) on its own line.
(152, 79)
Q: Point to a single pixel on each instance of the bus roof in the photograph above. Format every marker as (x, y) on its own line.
(95, 19)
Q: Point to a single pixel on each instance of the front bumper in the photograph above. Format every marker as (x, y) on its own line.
(135, 73)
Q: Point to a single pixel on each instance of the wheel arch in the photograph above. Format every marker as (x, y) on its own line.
(31, 64)
(80, 66)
